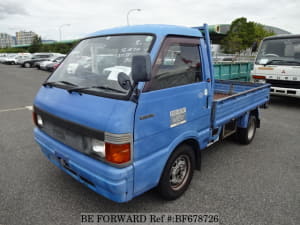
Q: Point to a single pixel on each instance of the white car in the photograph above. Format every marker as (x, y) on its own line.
(22, 58)
(113, 72)
(3, 57)
(43, 64)
(10, 59)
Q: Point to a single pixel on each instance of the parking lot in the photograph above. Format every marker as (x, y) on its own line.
(256, 184)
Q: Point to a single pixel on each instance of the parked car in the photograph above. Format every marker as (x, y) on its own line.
(10, 59)
(23, 57)
(2, 57)
(6, 56)
(15, 58)
(52, 66)
(43, 64)
(37, 57)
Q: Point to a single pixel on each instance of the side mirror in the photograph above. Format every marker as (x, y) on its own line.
(141, 68)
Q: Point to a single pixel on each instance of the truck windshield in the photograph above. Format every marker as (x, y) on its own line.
(285, 51)
(94, 64)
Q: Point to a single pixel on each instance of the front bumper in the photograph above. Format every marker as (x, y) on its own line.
(281, 91)
(113, 183)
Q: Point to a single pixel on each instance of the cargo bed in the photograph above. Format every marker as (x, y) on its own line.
(239, 71)
(234, 98)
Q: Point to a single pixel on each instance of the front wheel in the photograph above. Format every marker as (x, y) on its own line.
(246, 135)
(27, 65)
(178, 173)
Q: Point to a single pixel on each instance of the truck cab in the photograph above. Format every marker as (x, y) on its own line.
(130, 109)
(278, 63)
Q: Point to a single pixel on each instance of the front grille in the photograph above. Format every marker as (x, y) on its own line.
(67, 132)
(76, 135)
(284, 83)
(65, 136)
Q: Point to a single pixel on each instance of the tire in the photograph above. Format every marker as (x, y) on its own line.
(27, 65)
(246, 135)
(177, 173)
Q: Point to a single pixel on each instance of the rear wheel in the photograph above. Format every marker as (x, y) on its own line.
(246, 135)
(178, 173)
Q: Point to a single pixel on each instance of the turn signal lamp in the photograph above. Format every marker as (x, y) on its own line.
(117, 153)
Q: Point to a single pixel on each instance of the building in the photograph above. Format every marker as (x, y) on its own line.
(24, 37)
(6, 40)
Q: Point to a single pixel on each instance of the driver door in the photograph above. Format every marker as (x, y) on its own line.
(173, 104)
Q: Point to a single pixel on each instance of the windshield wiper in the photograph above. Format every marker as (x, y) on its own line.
(57, 82)
(97, 87)
(280, 60)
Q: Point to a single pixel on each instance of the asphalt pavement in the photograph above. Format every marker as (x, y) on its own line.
(257, 184)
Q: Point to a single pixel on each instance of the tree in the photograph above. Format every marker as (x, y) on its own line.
(261, 33)
(36, 44)
(242, 35)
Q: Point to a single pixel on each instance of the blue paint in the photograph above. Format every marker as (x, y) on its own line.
(153, 138)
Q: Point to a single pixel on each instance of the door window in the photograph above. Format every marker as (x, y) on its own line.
(177, 64)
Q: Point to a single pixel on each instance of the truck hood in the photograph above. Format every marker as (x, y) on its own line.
(278, 72)
(104, 114)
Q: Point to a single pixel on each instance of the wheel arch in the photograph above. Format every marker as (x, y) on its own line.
(196, 147)
(191, 141)
(243, 120)
(255, 113)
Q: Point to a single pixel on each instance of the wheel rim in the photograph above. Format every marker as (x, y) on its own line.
(251, 129)
(27, 65)
(179, 172)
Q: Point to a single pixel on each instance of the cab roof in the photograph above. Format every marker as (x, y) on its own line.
(283, 36)
(156, 29)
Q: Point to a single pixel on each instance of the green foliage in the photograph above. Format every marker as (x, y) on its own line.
(242, 35)
(261, 33)
(12, 50)
(63, 48)
(36, 44)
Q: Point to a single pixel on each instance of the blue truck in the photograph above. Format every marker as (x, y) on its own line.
(131, 108)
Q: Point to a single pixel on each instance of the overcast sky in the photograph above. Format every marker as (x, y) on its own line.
(86, 16)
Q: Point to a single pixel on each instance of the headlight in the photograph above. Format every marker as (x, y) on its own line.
(39, 121)
(115, 148)
(114, 153)
(98, 147)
